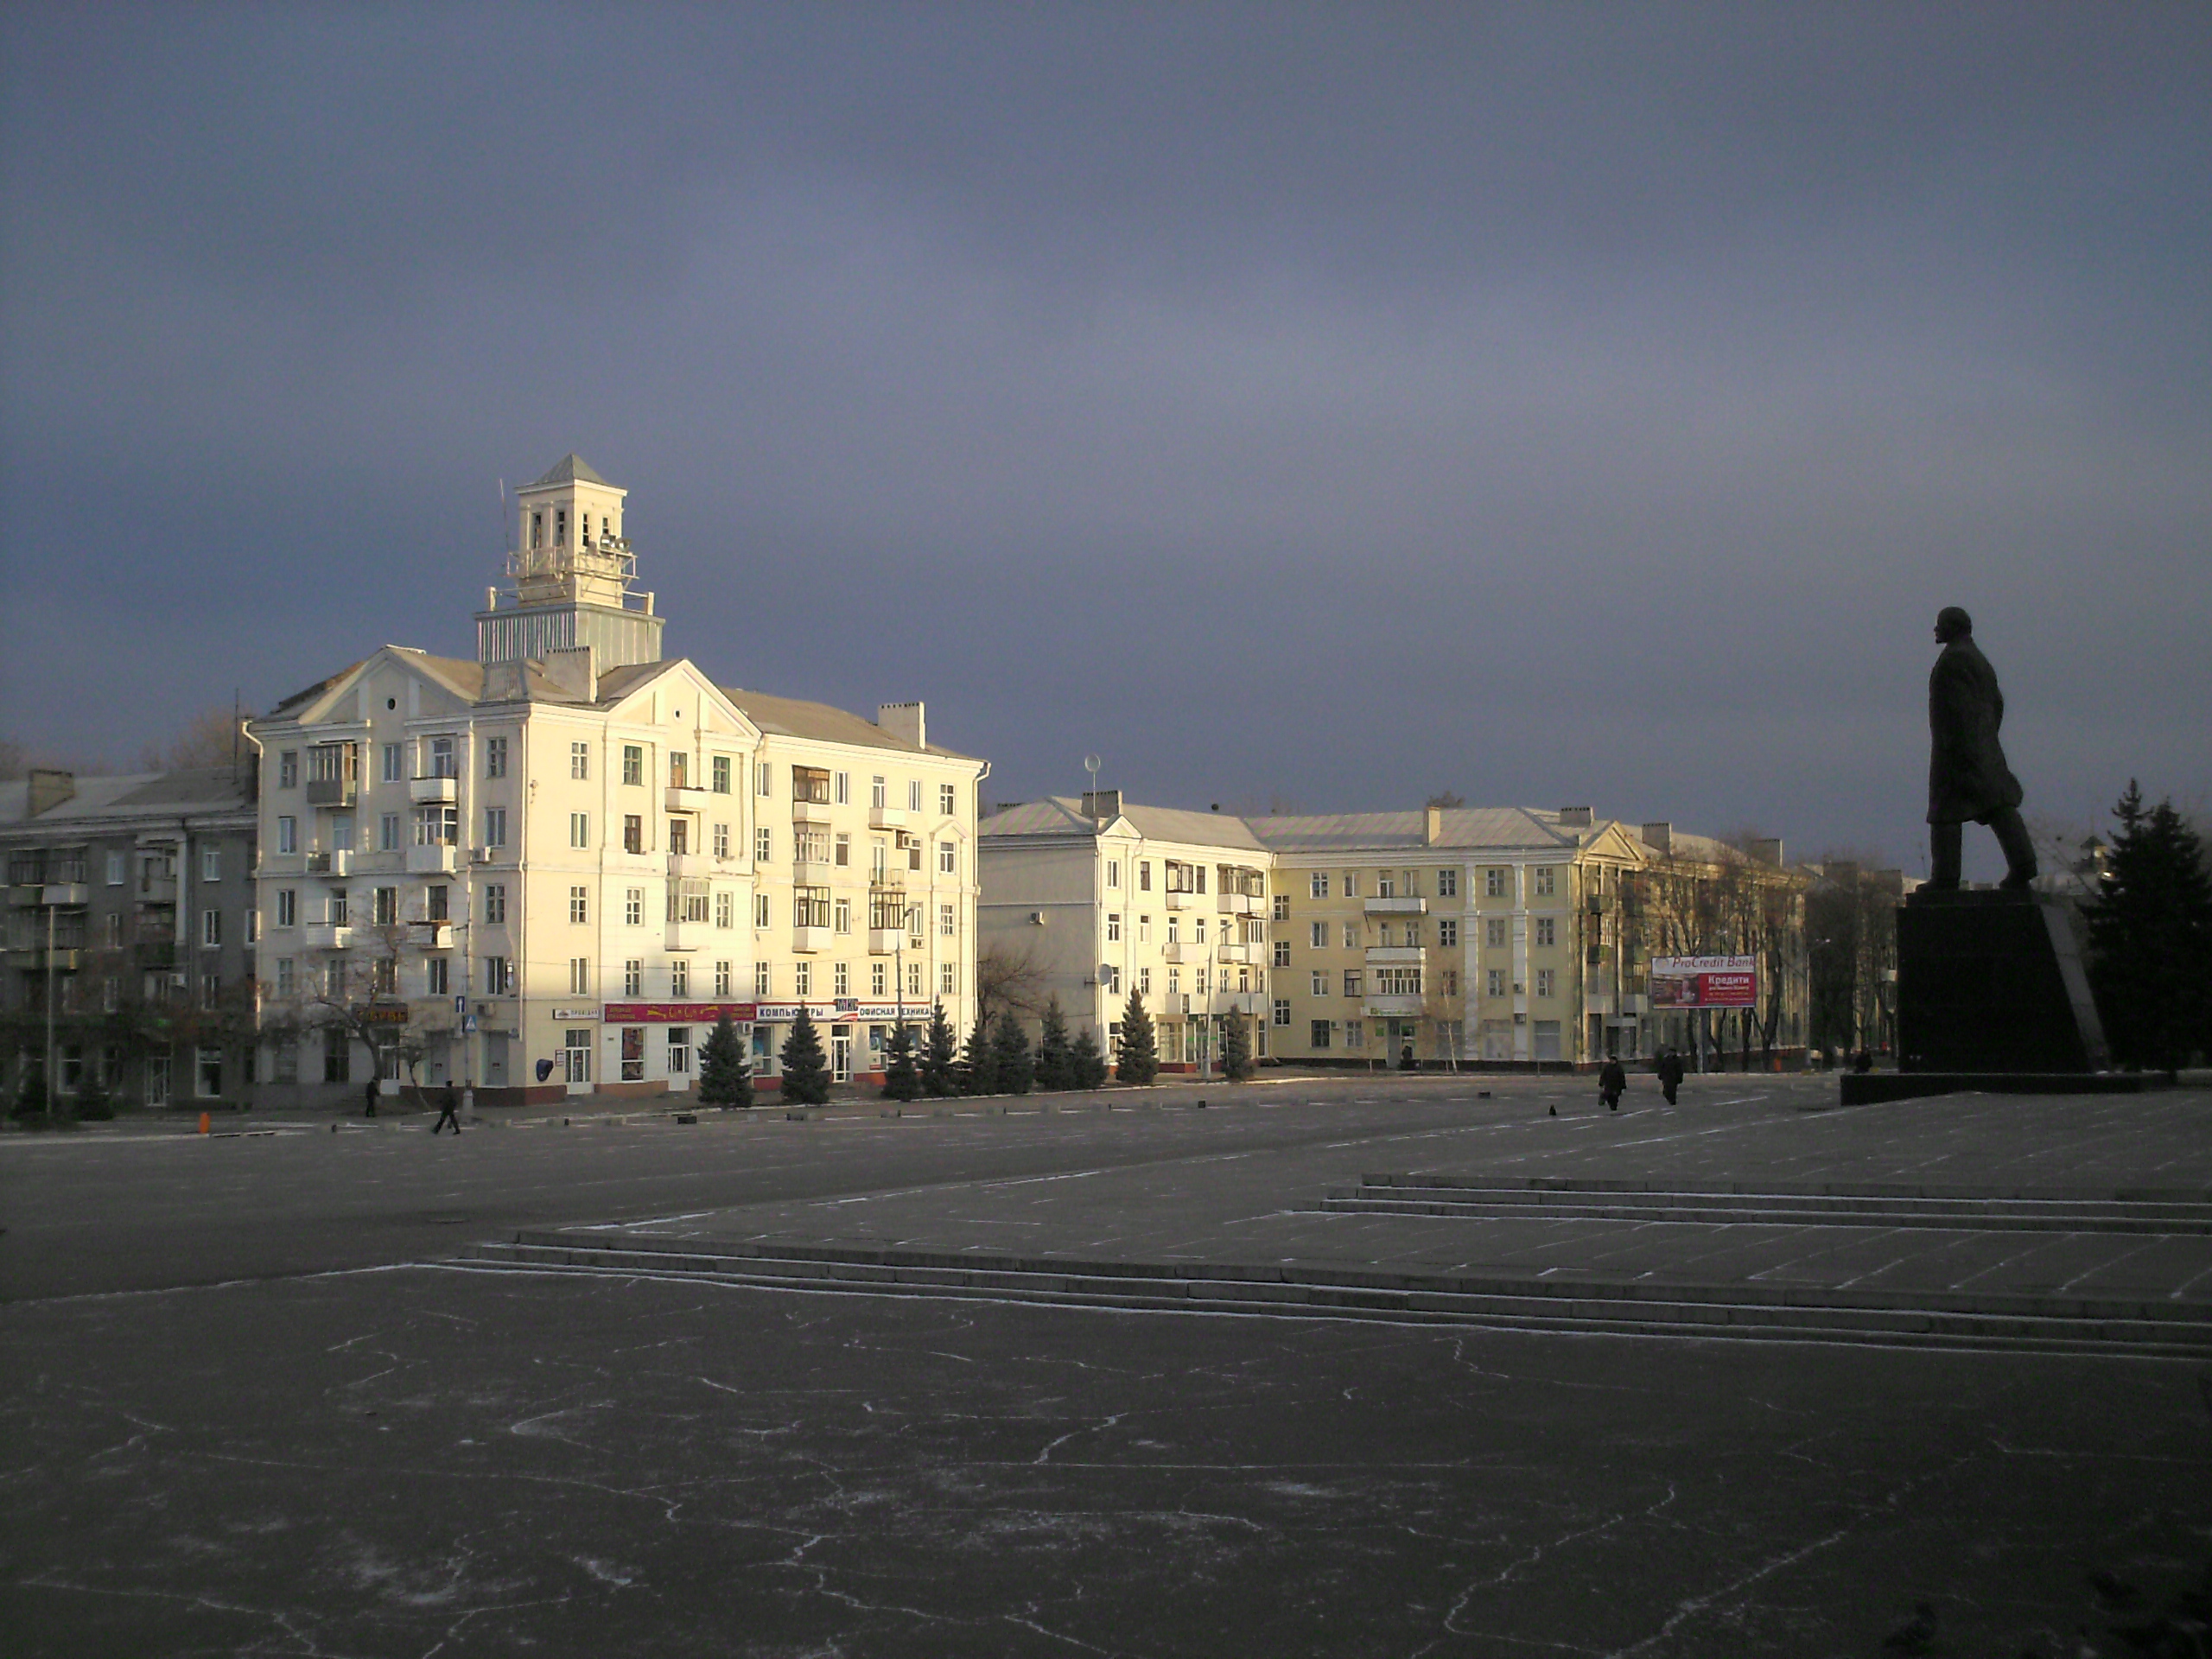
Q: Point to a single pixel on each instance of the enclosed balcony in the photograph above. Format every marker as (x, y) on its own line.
(1397, 955)
(809, 940)
(154, 953)
(886, 941)
(428, 792)
(1380, 906)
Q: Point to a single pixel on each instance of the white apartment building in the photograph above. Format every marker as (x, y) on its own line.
(1100, 898)
(552, 869)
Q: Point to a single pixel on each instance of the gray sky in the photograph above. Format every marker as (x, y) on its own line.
(1303, 404)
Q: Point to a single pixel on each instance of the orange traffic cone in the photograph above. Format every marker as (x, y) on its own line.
(203, 1122)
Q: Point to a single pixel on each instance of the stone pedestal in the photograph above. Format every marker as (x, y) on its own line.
(1990, 994)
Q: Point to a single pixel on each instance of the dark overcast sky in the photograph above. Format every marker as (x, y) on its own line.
(1305, 404)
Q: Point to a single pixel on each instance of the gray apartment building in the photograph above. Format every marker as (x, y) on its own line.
(129, 934)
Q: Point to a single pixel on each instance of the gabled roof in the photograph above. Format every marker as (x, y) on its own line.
(571, 469)
(124, 797)
(821, 722)
(1063, 815)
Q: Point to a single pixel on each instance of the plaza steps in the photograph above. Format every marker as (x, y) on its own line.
(1506, 1300)
(2164, 1213)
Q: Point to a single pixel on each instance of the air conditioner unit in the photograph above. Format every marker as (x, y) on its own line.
(480, 855)
(1036, 918)
(176, 981)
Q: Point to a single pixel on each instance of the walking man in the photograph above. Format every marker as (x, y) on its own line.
(1967, 774)
(1612, 1083)
(1671, 1073)
(371, 1110)
(448, 1111)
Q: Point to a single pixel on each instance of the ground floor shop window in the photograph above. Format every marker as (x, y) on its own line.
(633, 1054)
(284, 1061)
(337, 1055)
(1547, 1039)
(679, 1050)
(577, 1054)
(764, 1050)
(208, 1073)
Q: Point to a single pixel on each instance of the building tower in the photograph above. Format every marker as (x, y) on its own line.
(573, 573)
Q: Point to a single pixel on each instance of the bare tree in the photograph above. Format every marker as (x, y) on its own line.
(1008, 977)
(1446, 798)
(213, 737)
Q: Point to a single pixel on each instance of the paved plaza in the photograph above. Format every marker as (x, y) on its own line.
(403, 1433)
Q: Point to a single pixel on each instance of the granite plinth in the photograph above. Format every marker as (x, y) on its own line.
(1871, 1087)
(1992, 983)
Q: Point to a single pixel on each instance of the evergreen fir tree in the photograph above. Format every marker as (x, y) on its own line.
(940, 1056)
(1236, 1048)
(1138, 1060)
(725, 1074)
(1086, 1061)
(979, 1070)
(902, 1077)
(806, 1070)
(1010, 1056)
(2150, 938)
(1055, 1068)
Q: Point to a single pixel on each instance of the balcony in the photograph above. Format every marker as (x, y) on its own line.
(1242, 904)
(689, 865)
(812, 873)
(24, 897)
(1233, 953)
(157, 889)
(62, 892)
(338, 863)
(442, 859)
(808, 940)
(333, 792)
(686, 936)
(811, 812)
(1181, 900)
(1392, 1007)
(887, 817)
(1172, 952)
(434, 936)
(886, 941)
(1396, 956)
(328, 935)
(62, 958)
(1397, 906)
(683, 797)
(154, 953)
(429, 791)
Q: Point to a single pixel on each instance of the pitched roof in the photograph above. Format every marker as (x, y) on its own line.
(820, 722)
(571, 469)
(1518, 827)
(126, 796)
(1063, 815)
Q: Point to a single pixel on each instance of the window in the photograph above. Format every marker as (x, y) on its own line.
(1282, 953)
(1494, 883)
(722, 977)
(1198, 930)
(840, 788)
(579, 829)
(1318, 935)
(718, 774)
(1351, 936)
(1547, 931)
(679, 1050)
(287, 978)
(1282, 1011)
(495, 902)
(634, 764)
(288, 769)
(721, 841)
(442, 764)
(498, 975)
(437, 826)
(1318, 979)
(1450, 987)
(1547, 882)
(810, 784)
(1144, 875)
(393, 767)
(1174, 980)
(1113, 927)
(387, 832)
(945, 982)
(1113, 873)
(763, 846)
(1494, 933)
(1447, 884)
(803, 978)
(495, 757)
(383, 976)
(287, 840)
(334, 907)
(208, 1074)
(337, 1055)
(633, 833)
(762, 979)
(1355, 1034)
(810, 908)
(1353, 978)
(437, 903)
(764, 778)
(948, 859)
(579, 760)
(1352, 884)
(383, 906)
(679, 977)
(679, 769)
(914, 925)
(1544, 978)
(579, 975)
(809, 845)
(1144, 930)
(211, 863)
(947, 922)
(1447, 932)
(1282, 907)
(841, 980)
(875, 978)
(679, 834)
(948, 800)
(495, 826)
(913, 795)
(842, 851)
(725, 909)
(634, 907)
(1386, 886)
(435, 978)
(576, 1053)
(580, 905)
(1397, 981)
(843, 916)
(287, 907)
(1493, 985)
(759, 910)
(1320, 1034)
(876, 796)
(1319, 884)
(341, 832)
(1144, 980)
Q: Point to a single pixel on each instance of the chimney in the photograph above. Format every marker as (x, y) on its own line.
(1660, 837)
(574, 668)
(1432, 830)
(1102, 805)
(1575, 817)
(903, 721)
(48, 787)
(1767, 850)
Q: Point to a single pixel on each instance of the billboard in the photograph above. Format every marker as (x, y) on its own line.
(1705, 983)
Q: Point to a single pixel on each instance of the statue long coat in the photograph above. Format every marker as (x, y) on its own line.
(1967, 774)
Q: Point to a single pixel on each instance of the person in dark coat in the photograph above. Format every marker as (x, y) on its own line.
(1613, 1083)
(371, 1110)
(1967, 778)
(448, 1111)
(1671, 1073)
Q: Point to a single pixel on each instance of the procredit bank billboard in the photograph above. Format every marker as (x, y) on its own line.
(1705, 983)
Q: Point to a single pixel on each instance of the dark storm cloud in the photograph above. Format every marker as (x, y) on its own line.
(1314, 404)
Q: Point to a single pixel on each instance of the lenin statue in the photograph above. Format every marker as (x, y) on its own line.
(1967, 774)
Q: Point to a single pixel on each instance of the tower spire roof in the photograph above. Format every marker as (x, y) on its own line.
(571, 469)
